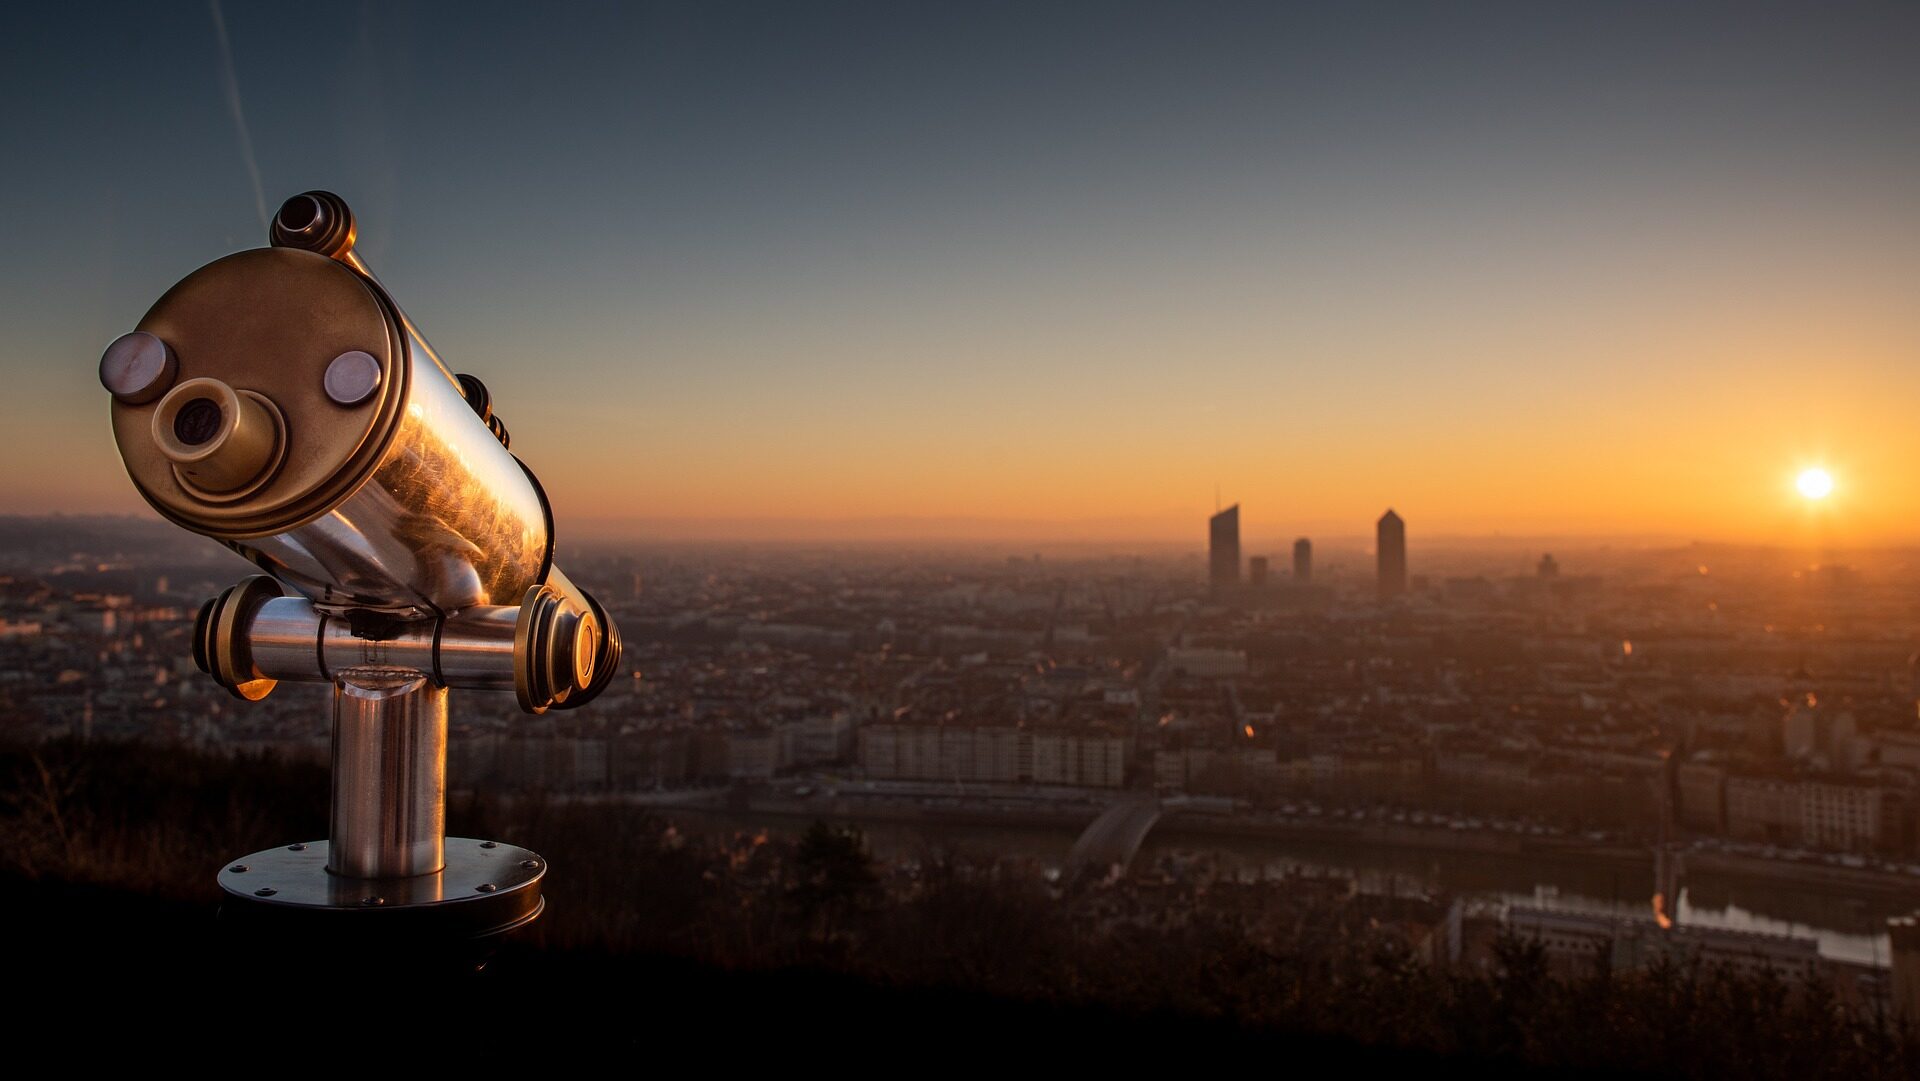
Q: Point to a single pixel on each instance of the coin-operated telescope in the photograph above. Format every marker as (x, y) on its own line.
(279, 401)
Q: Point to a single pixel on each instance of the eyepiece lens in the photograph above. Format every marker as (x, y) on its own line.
(298, 213)
(197, 421)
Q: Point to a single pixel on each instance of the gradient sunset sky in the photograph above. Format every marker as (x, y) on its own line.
(1038, 270)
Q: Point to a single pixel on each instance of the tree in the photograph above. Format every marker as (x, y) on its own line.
(834, 878)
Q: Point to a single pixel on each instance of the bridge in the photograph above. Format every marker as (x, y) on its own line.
(1114, 838)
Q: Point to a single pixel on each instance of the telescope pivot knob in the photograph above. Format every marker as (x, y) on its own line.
(220, 641)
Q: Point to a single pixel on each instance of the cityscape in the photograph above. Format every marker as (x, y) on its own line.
(1704, 753)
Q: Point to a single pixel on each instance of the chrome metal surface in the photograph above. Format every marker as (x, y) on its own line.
(447, 520)
(352, 377)
(301, 884)
(289, 638)
(389, 773)
(137, 368)
(476, 649)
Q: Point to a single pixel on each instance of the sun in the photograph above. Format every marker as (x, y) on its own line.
(1814, 483)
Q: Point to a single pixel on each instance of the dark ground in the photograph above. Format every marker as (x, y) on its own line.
(665, 951)
(111, 978)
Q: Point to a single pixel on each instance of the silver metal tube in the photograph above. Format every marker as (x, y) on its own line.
(289, 638)
(447, 520)
(476, 648)
(389, 774)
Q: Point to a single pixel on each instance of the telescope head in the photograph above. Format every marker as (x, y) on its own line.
(278, 401)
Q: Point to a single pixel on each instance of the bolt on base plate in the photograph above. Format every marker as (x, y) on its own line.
(485, 889)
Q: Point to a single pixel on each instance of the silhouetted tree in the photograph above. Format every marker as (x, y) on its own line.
(834, 878)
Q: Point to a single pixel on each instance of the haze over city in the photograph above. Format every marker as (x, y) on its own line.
(990, 272)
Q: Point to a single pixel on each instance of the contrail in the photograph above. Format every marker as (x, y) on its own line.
(232, 83)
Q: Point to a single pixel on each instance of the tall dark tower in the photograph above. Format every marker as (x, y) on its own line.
(1223, 550)
(1390, 541)
(1302, 561)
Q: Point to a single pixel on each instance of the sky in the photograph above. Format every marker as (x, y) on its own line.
(1037, 270)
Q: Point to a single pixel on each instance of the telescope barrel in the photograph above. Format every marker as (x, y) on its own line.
(279, 401)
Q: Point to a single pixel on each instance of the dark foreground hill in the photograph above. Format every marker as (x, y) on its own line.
(667, 949)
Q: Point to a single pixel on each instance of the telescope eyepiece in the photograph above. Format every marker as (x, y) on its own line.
(222, 442)
(316, 221)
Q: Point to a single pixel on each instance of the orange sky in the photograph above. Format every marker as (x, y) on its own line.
(1509, 271)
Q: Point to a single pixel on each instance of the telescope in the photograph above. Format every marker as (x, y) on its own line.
(278, 401)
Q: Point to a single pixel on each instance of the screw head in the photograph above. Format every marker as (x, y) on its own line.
(265, 891)
(296, 848)
(238, 868)
(530, 864)
(352, 377)
(488, 844)
(486, 887)
(372, 902)
(137, 368)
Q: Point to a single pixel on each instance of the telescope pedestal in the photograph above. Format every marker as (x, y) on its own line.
(485, 889)
(389, 814)
(389, 879)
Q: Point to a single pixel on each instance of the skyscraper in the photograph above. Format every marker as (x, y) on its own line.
(1257, 572)
(1223, 550)
(1390, 541)
(1302, 561)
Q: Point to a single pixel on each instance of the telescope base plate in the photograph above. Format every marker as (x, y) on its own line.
(486, 889)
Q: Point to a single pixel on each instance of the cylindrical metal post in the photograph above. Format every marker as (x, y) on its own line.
(389, 774)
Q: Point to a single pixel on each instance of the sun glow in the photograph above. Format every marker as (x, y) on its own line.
(1814, 483)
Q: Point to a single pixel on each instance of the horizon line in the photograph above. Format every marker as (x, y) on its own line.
(1037, 531)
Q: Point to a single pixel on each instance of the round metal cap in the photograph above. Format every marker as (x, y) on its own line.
(352, 377)
(137, 368)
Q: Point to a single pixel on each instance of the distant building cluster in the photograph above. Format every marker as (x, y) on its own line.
(1223, 564)
(993, 755)
(1584, 944)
